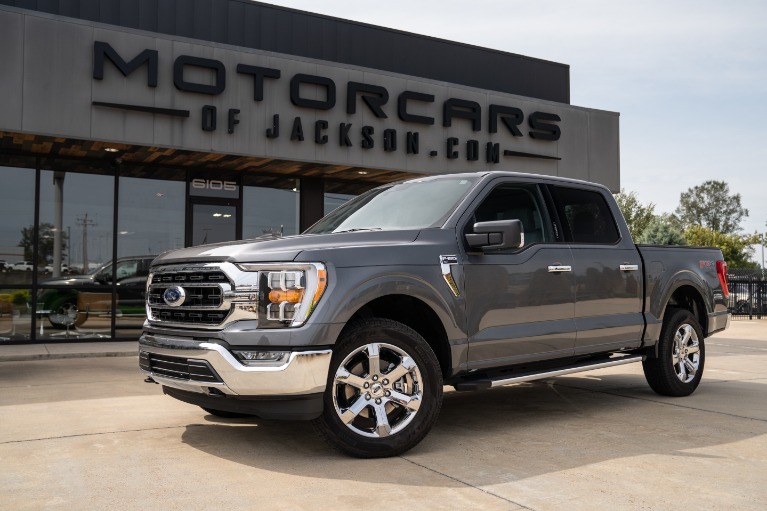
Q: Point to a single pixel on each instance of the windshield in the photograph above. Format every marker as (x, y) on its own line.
(408, 205)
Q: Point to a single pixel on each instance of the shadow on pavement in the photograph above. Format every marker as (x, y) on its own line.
(503, 434)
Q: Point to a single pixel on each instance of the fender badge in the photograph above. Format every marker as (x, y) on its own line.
(445, 262)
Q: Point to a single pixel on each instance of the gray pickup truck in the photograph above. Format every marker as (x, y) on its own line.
(468, 280)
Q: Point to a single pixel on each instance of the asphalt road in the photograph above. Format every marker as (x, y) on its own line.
(87, 433)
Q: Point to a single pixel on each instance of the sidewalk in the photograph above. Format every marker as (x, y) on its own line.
(68, 350)
(739, 329)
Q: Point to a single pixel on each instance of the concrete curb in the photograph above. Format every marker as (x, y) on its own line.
(53, 356)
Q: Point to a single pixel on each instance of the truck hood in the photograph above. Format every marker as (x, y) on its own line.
(284, 249)
(69, 280)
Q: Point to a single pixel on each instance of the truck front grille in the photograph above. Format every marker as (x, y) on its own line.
(189, 369)
(209, 296)
(204, 288)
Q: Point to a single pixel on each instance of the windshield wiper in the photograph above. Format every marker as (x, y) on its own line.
(359, 229)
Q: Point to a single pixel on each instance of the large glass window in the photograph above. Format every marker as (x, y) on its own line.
(150, 221)
(151, 218)
(17, 203)
(75, 237)
(17, 210)
(270, 209)
(15, 314)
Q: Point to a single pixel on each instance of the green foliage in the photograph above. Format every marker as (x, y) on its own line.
(20, 297)
(45, 246)
(637, 215)
(712, 206)
(662, 231)
(736, 248)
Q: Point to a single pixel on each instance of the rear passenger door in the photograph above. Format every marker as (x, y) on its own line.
(519, 302)
(607, 271)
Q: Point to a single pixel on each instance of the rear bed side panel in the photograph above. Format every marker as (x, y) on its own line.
(668, 268)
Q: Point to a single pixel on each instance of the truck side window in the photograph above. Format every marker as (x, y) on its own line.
(126, 269)
(586, 216)
(516, 202)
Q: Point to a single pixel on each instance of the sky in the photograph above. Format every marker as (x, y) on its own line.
(688, 77)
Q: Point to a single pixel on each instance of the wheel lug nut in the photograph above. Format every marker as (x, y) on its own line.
(385, 382)
(367, 396)
(378, 401)
(388, 393)
(367, 385)
(375, 378)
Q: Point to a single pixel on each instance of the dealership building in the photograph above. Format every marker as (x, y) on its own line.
(131, 128)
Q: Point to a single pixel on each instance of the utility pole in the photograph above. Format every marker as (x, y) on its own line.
(85, 222)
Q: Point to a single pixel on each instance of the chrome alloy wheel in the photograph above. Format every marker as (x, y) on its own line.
(686, 353)
(377, 390)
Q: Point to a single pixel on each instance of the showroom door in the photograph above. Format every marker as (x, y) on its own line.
(213, 212)
(212, 223)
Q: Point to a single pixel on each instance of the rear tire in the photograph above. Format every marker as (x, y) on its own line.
(384, 390)
(681, 356)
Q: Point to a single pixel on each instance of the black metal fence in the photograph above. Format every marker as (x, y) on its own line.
(748, 293)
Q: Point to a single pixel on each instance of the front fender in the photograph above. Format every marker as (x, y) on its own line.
(355, 290)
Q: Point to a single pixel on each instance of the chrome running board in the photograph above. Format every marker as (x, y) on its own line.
(487, 383)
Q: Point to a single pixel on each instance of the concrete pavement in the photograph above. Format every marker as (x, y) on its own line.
(87, 433)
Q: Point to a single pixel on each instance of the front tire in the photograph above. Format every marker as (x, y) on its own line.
(681, 356)
(384, 390)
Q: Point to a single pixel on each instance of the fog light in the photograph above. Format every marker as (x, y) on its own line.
(262, 357)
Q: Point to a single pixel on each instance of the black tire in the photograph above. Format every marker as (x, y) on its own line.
(383, 418)
(226, 415)
(680, 350)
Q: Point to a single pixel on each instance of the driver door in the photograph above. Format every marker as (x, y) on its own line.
(520, 302)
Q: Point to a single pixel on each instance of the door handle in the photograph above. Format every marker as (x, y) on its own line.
(629, 267)
(559, 268)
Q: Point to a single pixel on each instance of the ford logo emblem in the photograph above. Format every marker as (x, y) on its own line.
(174, 296)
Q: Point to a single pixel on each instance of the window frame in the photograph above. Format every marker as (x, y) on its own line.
(559, 208)
(541, 199)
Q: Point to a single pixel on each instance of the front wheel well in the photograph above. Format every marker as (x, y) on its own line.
(687, 297)
(415, 314)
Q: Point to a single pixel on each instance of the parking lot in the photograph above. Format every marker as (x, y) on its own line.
(87, 433)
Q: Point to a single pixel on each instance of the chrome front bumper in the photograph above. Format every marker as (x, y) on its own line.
(305, 372)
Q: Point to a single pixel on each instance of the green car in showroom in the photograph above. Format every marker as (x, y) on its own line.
(70, 300)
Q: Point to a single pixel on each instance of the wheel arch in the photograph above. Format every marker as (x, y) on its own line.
(414, 313)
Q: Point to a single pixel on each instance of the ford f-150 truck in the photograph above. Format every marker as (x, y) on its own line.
(468, 280)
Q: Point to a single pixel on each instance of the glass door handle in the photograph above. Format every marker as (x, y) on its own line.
(558, 268)
(629, 267)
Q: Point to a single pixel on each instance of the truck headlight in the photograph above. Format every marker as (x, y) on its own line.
(288, 293)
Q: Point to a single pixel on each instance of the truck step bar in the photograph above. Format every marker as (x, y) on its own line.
(487, 383)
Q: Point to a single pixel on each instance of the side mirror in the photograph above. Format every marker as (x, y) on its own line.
(497, 235)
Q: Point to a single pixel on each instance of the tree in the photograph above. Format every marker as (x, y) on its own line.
(637, 215)
(45, 247)
(712, 206)
(662, 231)
(736, 249)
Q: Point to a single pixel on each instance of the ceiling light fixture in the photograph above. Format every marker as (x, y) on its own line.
(111, 149)
(217, 215)
(362, 172)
